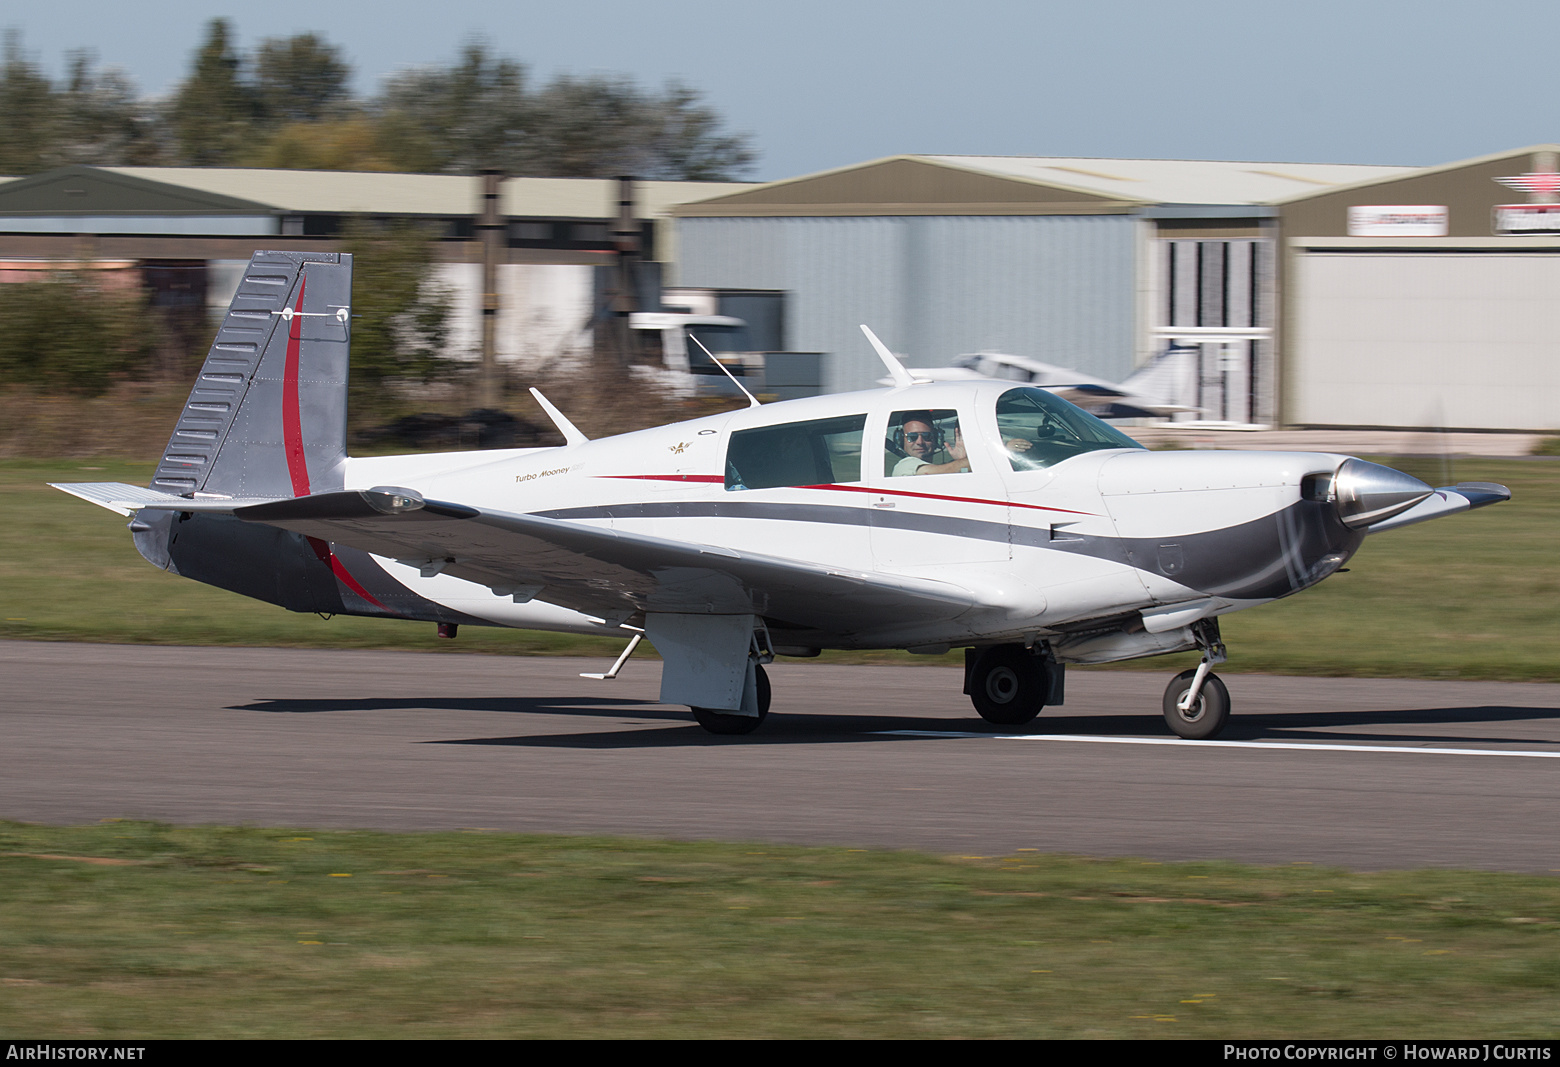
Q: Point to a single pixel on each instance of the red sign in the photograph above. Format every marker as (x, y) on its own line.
(1533, 182)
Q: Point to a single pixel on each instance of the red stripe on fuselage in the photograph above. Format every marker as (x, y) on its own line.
(937, 496)
(667, 477)
(853, 489)
(292, 423)
(339, 569)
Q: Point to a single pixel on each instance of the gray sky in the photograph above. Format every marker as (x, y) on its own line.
(823, 84)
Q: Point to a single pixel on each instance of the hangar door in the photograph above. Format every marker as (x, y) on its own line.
(1456, 339)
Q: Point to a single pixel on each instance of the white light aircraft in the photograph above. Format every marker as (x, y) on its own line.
(1144, 394)
(982, 515)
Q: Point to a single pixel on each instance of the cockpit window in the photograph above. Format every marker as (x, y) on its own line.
(818, 452)
(924, 442)
(1040, 429)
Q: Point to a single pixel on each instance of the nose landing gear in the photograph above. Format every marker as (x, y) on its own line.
(1196, 703)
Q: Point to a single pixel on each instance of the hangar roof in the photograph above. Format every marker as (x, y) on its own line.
(1023, 185)
(352, 192)
(204, 190)
(1428, 172)
(1180, 181)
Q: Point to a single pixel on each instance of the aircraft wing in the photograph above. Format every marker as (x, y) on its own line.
(608, 574)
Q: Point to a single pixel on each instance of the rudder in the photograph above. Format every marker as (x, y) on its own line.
(268, 414)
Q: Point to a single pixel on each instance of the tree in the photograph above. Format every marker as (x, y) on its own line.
(347, 142)
(300, 79)
(27, 112)
(461, 118)
(101, 120)
(297, 111)
(478, 113)
(599, 127)
(401, 314)
(588, 128)
(685, 142)
(215, 108)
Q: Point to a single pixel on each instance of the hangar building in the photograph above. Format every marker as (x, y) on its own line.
(1427, 299)
(1312, 294)
(185, 233)
(1094, 264)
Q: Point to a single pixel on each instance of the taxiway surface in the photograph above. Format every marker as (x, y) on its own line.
(1364, 773)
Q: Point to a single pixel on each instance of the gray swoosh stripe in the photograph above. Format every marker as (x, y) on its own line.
(1265, 558)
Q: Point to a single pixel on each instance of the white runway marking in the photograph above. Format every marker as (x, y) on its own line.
(1178, 742)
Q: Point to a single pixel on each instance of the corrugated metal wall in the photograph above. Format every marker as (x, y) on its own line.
(1061, 288)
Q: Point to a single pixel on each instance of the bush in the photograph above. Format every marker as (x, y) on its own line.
(68, 335)
(401, 316)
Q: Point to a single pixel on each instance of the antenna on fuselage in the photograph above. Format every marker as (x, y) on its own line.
(896, 369)
(752, 400)
(571, 433)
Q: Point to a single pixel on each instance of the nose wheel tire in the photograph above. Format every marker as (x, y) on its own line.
(1209, 712)
(727, 724)
(1008, 685)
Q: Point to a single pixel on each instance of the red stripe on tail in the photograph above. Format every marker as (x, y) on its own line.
(292, 423)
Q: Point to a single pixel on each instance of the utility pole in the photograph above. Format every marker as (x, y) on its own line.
(492, 231)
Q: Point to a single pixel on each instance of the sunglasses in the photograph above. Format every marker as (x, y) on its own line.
(917, 436)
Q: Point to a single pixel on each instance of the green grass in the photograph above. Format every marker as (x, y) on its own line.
(136, 929)
(1471, 596)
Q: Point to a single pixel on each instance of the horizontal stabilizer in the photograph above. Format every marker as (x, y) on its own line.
(122, 498)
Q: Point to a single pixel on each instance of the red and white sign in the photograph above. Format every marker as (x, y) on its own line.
(1398, 220)
(1511, 219)
(1543, 182)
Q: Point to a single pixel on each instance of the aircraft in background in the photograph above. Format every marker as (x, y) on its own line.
(1151, 391)
(986, 515)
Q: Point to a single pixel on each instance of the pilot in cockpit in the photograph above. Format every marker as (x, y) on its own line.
(919, 445)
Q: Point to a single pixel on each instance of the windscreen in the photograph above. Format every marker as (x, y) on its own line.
(1040, 429)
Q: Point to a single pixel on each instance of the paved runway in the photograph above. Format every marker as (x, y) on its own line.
(853, 756)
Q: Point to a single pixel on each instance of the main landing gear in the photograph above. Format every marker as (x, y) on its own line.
(720, 722)
(1009, 684)
(1196, 704)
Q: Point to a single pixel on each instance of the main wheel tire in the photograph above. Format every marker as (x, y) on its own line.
(1008, 685)
(729, 725)
(1205, 718)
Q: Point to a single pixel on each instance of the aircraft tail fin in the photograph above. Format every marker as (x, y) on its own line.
(268, 415)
